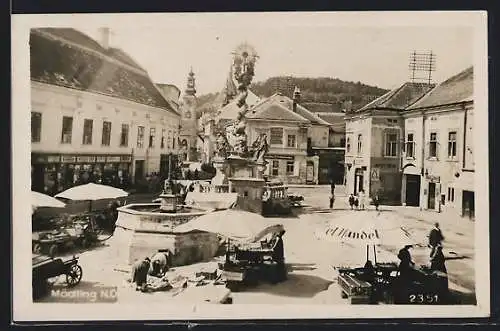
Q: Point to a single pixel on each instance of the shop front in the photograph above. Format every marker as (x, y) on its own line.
(54, 173)
(286, 168)
(331, 165)
(386, 180)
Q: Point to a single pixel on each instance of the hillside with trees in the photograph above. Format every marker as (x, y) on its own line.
(318, 94)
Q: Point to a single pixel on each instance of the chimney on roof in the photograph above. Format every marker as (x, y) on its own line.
(104, 34)
(347, 106)
(296, 98)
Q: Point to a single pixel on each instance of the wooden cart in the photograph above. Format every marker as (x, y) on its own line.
(45, 267)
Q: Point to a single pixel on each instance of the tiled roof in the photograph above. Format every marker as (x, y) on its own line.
(69, 58)
(335, 119)
(301, 110)
(273, 110)
(458, 88)
(230, 111)
(399, 98)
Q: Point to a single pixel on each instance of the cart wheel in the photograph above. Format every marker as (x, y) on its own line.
(37, 248)
(53, 250)
(74, 276)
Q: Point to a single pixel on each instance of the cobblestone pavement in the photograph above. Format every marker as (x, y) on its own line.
(458, 232)
(311, 261)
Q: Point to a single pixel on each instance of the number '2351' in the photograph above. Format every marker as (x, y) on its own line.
(423, 298)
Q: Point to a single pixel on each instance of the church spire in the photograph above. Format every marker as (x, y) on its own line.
(190, 89)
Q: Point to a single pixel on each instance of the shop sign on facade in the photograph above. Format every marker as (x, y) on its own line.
(433, 179)
(68, 159)
(126, 158)
(113, 159)
(100, 159)
(85, 159)
(53, 159)
(280, 157)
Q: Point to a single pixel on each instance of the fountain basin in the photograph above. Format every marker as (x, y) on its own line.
(144, 229)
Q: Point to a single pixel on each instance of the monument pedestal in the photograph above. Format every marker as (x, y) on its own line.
(245, 179)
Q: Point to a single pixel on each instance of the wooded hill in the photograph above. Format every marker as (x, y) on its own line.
(322, 94)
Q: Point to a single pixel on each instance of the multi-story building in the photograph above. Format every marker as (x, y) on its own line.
(292, 132)
(373, 143)
(438, 163)
(95, 113)
(331, 158)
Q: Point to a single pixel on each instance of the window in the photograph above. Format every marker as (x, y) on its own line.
(452, 144)
(140, 137)
(360, 143)
(410, 145)
(173, 140)
(275, 168)
(106, 133)
(451, 194)
(87, 131)
(391, 144)
(433, 145)
(169, 139)
(67, 129)
(291, 140)
(276, 136)
(152, 134)
(290, 167)
(36, 127)
(348, 145)
(162, 144)
(124, 135)
(342, 142)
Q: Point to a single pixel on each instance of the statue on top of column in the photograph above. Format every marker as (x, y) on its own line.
(244, 58)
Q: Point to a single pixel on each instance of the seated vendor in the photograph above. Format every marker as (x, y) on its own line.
(159, 264)
(140, 272)
(406, 266)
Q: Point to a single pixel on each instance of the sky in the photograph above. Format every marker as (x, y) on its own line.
(373, 53)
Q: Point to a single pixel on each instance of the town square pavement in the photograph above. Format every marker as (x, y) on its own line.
(311, 261)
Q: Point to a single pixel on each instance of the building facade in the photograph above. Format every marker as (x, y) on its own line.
(331, 158)
(438, 169)
(96, 116)
(373, 143)
(292, 132)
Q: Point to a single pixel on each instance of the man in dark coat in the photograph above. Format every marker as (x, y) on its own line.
(351, 200)
(140, 273)
(438, 260)
(435, 238)
(376, 201)
(279, 255)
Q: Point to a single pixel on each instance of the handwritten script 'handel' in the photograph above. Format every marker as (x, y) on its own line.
(346, 233)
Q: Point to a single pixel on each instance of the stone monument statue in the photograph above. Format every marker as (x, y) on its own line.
(244, 58)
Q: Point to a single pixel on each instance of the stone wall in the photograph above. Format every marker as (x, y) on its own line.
(142, 234)
(187, 248)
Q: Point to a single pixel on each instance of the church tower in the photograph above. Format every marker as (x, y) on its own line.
(189, 122)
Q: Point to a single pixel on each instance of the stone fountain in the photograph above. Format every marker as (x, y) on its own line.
(143, 229)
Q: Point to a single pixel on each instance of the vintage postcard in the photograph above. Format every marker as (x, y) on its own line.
(250, 166)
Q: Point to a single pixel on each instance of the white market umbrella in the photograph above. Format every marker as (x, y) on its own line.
(92, 192)
(43, 200)
(234, 224)
(370, 230)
